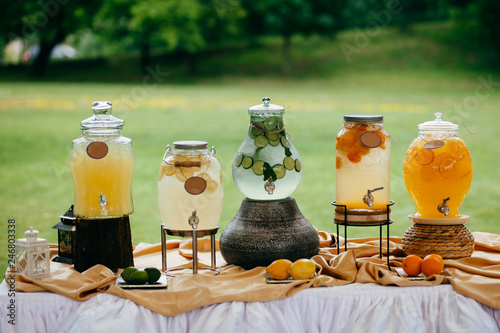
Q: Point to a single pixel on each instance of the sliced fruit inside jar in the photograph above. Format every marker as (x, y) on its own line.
(238, 159)
(270, 123)
(289, 163)
(256, 131)
(258, 168)
(448, 168)
(428, 174)
(247, 162)
(274, 143)
(279, 170)
(424, 156)
(298, 165)
(261, 141)
(284, 141)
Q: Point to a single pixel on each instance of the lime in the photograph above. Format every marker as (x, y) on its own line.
(279, 170)
(237, 159)
(289, 163)
(127, 271)
(258, 168)
(138, 277)
(153, 273)
(261, 141)
(247, 162)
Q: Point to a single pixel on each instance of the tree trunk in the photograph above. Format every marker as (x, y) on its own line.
(287, 66)
(41, 62)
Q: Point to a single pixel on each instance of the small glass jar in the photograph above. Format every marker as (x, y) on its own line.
(363, 163)
(267, 166)
(102, 163)
(190, 187)
(438, 170)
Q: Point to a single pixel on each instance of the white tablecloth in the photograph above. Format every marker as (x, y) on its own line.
(350, 308)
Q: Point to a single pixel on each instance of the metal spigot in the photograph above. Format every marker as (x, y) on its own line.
(368, 197)
(443, 207)
(269, 186)
(103, 201)
(193, 220)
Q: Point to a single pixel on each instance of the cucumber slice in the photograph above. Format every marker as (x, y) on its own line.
(274, 143)
(247, 162)
(284, 141)
(273, 136)
(279, 170)
(298, 165)
(258, 168)
(279, 123)
(255, 131)
(237, 159)
(270, 123)
(289, 163)
(261, 141)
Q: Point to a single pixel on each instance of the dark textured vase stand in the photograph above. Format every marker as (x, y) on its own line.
(263, 231)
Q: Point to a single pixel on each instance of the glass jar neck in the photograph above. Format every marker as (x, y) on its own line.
(189, 152)
(359, 123)
(102, 132)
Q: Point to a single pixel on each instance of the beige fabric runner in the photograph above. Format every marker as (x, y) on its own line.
(475, 277)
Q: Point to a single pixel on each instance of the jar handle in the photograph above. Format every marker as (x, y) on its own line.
(167, 151)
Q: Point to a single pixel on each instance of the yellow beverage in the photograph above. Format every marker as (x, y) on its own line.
(103, 186)
(362, 166)
(437, 168)
(192, 189)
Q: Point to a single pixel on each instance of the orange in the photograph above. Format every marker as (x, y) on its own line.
(412, 265)
(432, 264)
(424, 156)
(278, 269)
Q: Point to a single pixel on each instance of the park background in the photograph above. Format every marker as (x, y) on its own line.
(189, 70)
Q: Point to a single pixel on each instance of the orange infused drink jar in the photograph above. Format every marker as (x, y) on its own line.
(190, 187)
(437, 171)
(363, 164)
(102, 163)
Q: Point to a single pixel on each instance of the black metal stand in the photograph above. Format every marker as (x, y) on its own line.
(346, 223)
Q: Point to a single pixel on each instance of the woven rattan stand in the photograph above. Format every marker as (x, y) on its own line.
(451, 241)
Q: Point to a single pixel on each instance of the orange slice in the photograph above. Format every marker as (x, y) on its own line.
(448, 168)
(456, 149)
(424, 156)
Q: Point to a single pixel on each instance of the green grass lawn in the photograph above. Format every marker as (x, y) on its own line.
(40, 119)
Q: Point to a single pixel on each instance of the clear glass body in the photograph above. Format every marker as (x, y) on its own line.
(363, 164)
(267, 166)
(437, 166)
(177, 201)
(102, 186)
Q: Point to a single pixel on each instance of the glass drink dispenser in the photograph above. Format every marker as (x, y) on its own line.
(102, 162)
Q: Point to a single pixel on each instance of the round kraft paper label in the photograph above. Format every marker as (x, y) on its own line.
(370, 139)
(434, 144)
(97, 150)
(195, 185)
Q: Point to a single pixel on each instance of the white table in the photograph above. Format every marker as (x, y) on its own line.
(350, 308)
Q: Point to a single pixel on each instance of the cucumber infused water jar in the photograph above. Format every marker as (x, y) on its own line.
(267, 166)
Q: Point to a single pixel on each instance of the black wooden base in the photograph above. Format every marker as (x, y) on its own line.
(103, 241)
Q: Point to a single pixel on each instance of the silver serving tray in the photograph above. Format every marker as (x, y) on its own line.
(421, 276)
(161, 283)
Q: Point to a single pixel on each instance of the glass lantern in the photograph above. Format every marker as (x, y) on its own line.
(267, 166)
(32, 256)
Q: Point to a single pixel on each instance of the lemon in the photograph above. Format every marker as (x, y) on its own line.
(302, 269)
(127, 271)
(153, 273)
(138, 277)
(278, 269)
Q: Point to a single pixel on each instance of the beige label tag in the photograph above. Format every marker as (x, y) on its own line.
(97, 150)
(370, 139)
(434, 144)
(195, 185)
